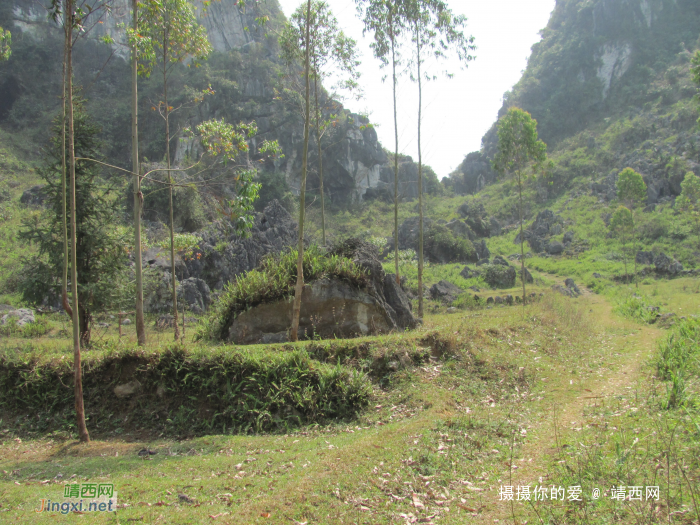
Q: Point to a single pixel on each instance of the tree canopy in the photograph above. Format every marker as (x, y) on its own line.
(631, 188)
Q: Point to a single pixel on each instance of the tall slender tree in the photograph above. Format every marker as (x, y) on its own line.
(622, 225)
(519, 146)
(299, 287)
(436, 33)
(387, 21)
(331, 52)
(138, 196)
(632, 191)
(170, 34)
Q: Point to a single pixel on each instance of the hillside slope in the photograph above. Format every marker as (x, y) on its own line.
(609, 85)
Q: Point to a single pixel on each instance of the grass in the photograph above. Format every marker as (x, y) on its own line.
(445, 402)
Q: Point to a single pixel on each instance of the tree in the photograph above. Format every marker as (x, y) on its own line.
(5, 43)
(169, 34)
(622, 224)
(387, 21)
(632, 191)
(689, 199)
(331, 52)
(436, 32)
(518, 146)
(138, 196)
(99, 243)
(299, 287)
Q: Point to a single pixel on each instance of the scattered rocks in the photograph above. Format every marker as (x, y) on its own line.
(554, 248)
(570, 289)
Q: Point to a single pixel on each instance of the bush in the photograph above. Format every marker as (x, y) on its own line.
(678, 360)
(636, 307)
(274, 280)
(274, 186)
(441, 246)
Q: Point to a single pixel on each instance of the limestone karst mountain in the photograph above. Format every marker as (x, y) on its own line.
(610, 86)
(244, 71)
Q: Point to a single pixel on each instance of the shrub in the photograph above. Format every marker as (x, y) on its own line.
(678, 360)
(273, 280)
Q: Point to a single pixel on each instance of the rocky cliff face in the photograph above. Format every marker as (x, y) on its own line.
(609, 85)
(243, 71)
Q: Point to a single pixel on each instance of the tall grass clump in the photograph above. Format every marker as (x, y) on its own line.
(274, 280)
(636, 307)
(679, 362)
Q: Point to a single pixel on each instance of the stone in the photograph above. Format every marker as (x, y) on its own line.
(194, 293)
(329, 308)
(468, 273)
(126, 322)
(508, 299)
(667, 265)
(554, 248)
(499, 276)
(571, 285)
(439, 243)
(596, 275)
(528, 276)
(445, 291)
(644, 258)
(500, 260)
(568, 237)
(127, 389)
(482, 251)
(460, 229)
(494, 227)
(34, 196)
(489, 300)
(22, 316)
(498, 300)
(451, 310)
(555, 229)
(481, 262)
(563, 290)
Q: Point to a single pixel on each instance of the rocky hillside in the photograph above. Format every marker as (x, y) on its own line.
(244, 70)
(610, 87)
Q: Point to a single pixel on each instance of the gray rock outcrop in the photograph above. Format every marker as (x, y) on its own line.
(499, 276)
(445, 291)
(22, 316)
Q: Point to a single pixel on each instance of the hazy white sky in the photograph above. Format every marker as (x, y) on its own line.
(458, 111)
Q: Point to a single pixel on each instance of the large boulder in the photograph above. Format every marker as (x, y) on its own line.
(440, 245)
(21, 316)
(329, 308)
(460, 229)
(667, 265)
(445, 291)
(555, 248)
(468, 273)
(482, 251)
(499, 276)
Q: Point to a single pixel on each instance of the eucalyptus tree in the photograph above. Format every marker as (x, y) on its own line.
(288, 47)
(436, 34)
(387, 21)
(622, 225)
(518, 147)
(5, 44)
(331, 52)
(138, 196)
(168, 35)
(632, 191)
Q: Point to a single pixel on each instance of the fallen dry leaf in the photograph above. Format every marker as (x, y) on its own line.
(416, 501)
(265, 514)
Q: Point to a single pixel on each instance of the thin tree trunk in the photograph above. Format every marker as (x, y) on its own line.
(170, 192)
(296, 309)
(64, 282)
(522, 240)
(77, 369)
(140, 326)
(396, 151)
(624, 258)
(420, 187)
(320, 155)
(634, 255)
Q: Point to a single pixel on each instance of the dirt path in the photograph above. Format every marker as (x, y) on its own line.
(565, 404)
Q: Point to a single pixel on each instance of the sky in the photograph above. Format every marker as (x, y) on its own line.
(457, 111)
